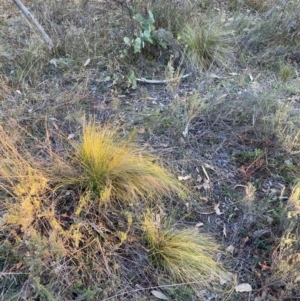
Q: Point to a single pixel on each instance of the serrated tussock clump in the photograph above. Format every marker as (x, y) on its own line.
(185, 255)
(116, 169)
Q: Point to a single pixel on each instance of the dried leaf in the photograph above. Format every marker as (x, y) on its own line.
(264, 267)
(199, 179)
(71, 136)
(212, 75)
(199, 225)
(224, 230)
(230, 249)
(55, 125)
(217, 210)
(186, 131)
(243, 287)
(53, 62)
(159, 295)
(141, 130)
(288, 161)
(206, 185)
(180, 178)
(86, 62)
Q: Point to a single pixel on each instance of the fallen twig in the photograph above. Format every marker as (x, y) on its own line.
(33, 21)
(164, 81)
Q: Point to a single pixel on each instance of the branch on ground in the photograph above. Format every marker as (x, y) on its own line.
(34, 22)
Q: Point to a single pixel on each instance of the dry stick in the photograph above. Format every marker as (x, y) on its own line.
(164, 81)
(33, 21)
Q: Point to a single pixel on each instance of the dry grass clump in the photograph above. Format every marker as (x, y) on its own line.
(185, 255)
(208, 43)
(118, 170)
(286, 71)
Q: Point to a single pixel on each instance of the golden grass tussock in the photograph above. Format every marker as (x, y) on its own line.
(116, 169)
(185, 255)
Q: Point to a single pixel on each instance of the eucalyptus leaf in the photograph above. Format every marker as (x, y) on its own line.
(127, 41)
(151, 14)
(137, 45)
(139, 18)
(147, 33)
(149, 40)
(159, 295)
(146, 26)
